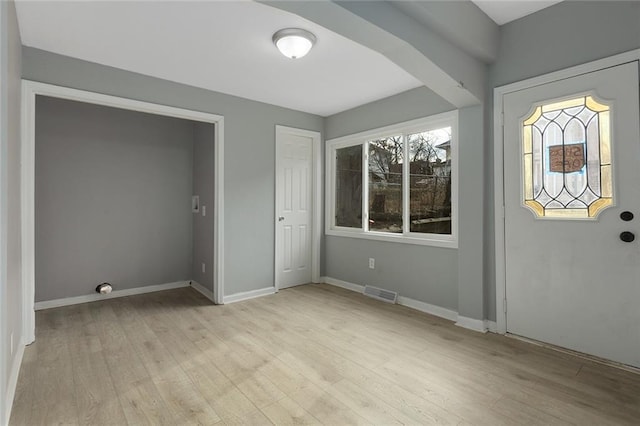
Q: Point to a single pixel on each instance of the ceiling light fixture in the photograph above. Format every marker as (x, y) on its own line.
(294, 43)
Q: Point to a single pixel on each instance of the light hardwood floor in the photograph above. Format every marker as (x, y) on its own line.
(313, 354)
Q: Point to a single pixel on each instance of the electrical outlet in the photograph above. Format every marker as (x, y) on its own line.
(204, 210)
(372, 263)
(204, 268)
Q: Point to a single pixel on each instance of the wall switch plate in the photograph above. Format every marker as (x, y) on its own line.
(204, 210)
(204, 268)
(372, 263)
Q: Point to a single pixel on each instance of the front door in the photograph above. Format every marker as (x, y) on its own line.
(294, 165)
(572, 213)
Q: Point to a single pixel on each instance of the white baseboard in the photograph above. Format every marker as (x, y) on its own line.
(404, 301)
(428, 308)
(439, 311)
(116, 293)
(12, 381)
(471, 324)
(491, 326)
(343, 284)
(245, 295)
(203, 290)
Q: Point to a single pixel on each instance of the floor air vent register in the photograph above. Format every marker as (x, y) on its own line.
(380, 294)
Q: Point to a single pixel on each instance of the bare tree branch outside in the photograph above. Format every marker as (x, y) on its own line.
(429, 183)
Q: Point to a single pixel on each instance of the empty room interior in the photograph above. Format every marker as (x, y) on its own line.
(319, 212)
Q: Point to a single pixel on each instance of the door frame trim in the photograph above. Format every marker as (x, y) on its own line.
(498, 162)
(27, 184)
(316, 200)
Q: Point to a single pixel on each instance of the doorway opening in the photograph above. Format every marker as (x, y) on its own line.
(214, 124)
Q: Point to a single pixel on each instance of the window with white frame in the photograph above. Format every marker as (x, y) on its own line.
(397, 183)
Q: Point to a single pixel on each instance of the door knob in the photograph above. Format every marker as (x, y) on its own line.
(280, 218)
(626, 216)
(627, 236)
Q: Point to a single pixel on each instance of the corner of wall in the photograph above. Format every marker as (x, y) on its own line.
(10, 252)
(10, 257)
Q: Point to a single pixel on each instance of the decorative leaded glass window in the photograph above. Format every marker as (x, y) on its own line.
(567, 159)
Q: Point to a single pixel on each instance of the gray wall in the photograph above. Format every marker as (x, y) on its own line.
(409, 105)
(564, 35)
(10, 247)
(113, 198)
(428, 274)
(249, 158)
(203, 180)
(471, 194)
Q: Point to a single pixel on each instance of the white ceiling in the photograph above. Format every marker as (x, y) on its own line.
(503, 11)
(221, 46)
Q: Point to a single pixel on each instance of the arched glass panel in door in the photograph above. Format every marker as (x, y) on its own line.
(567, 159)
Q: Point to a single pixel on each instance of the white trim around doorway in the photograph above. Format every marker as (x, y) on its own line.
(498, 160)
(30, 89)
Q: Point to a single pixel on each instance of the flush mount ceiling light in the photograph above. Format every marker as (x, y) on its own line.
(294, 42)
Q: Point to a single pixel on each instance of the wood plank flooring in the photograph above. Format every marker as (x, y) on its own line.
(313, 354)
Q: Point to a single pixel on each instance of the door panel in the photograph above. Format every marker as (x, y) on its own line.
(293, 198)
(570, 279)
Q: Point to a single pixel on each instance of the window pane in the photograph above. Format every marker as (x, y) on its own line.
(385, 185)
(349, 186)
(430, 181)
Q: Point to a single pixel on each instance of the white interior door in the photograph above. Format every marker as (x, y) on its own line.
(571, 170)
(294, 188)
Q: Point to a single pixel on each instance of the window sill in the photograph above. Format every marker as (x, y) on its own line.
(445, 242)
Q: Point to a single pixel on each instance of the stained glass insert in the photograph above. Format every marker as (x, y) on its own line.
(567, 159)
